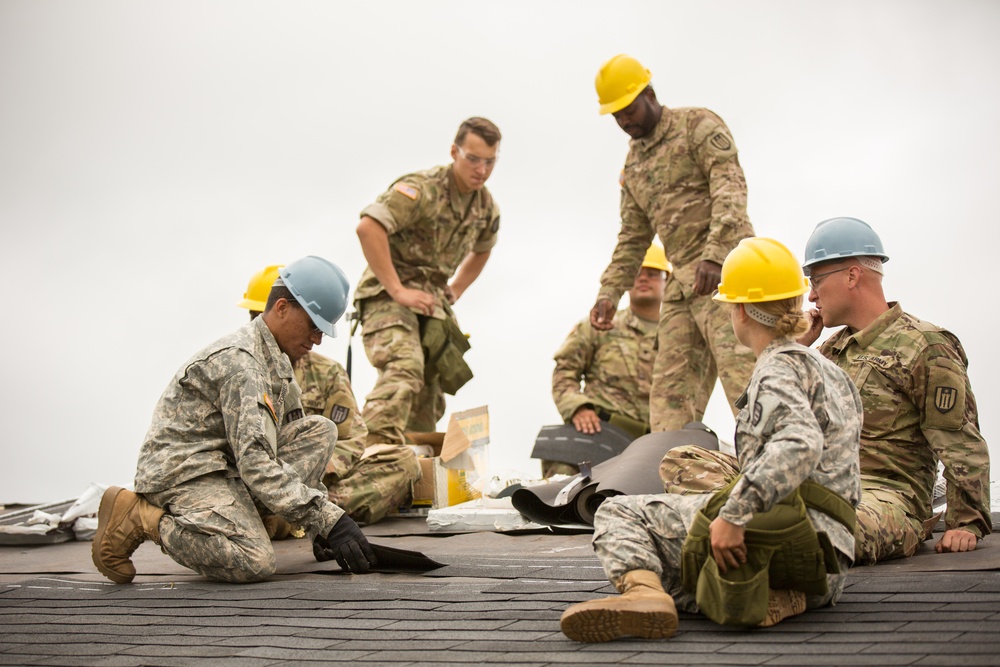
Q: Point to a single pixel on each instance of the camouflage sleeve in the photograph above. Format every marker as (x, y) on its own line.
(351, 430)
(950, 422)
(633, 240)
(714, 150)
(779, 418)
(572, 361)
(488, 238)
(399, 206)
(252, 426)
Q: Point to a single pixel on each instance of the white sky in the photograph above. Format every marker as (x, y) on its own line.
(154, 155)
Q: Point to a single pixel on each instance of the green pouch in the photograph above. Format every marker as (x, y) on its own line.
(783, 551)
(738, 597)
(444, 347)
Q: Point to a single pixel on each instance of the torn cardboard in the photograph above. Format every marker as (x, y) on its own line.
(461, 458)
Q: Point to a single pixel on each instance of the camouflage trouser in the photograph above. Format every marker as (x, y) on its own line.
(399, 401)
(693, 469)
(212, 523)
(379, 483)
(885, 530)
(648, 533)
(695, 344)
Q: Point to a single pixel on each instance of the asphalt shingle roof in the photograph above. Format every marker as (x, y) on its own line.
(498, 601)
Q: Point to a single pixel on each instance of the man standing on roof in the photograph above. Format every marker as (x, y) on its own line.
(429, 228)
(615, 367)
(918, 402)
(229, 441)
(682, 180)
(367, 483)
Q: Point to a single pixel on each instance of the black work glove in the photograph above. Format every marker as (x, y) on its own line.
(347, 544)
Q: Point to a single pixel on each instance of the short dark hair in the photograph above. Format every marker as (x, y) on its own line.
(279, 291)
(481, 127)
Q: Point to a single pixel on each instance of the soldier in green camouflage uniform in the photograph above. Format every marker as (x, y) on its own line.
(229, 441)
(682, 181)
(799, 419)
(615, 367)
(366, 482)
(918, 401)
(428, 227)
(919, 409)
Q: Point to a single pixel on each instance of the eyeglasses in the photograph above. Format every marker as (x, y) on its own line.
(475, 160)
(815, 280)
(315, 329)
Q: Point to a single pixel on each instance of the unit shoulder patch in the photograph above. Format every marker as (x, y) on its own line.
(944, 404)
(721, 142)
(338, 413)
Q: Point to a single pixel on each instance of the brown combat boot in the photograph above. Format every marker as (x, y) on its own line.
(782, 604)
(276, 527)
(642, 610)
(124, 521)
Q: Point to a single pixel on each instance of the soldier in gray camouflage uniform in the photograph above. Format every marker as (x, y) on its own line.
(683, 181)
(615, 367)
(367, 483)
(799, 420)
(918, 401)
(428, 227)
(229, 440)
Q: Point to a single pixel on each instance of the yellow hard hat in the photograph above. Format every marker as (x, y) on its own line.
(255, 297)
(760, 269)
(656, 258)
(619, 82)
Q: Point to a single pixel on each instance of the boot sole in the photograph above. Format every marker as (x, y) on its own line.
(103, 516)
(604, 625)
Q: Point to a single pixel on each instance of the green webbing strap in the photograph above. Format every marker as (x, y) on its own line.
(822, 499)
(355, 318)
(814, 495)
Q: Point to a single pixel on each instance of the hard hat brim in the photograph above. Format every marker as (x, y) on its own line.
(740, 298)
(622, 102)
(250, 304)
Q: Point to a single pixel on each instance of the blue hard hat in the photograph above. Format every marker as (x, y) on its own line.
(837, 238)
(321, 289)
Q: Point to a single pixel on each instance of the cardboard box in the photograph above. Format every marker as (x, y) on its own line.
(460, 458)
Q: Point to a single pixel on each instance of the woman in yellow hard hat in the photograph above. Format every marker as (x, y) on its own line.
(797, 437)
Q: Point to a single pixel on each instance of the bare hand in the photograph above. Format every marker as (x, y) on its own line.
(707, 276)
(601, 314)
(452, 294)
(815, 328)
(956, 540)
(586, 421)
(728, 548)
(414, 298)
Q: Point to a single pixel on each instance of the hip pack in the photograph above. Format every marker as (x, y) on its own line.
(784, 551)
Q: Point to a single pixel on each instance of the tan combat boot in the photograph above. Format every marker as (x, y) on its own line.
(124, 521)
(642, 610)
(782, 604)
(276, 527)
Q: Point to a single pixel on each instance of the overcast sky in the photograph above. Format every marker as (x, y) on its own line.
(154, 155)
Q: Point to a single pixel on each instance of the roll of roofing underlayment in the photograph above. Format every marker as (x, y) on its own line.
(635, 471)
